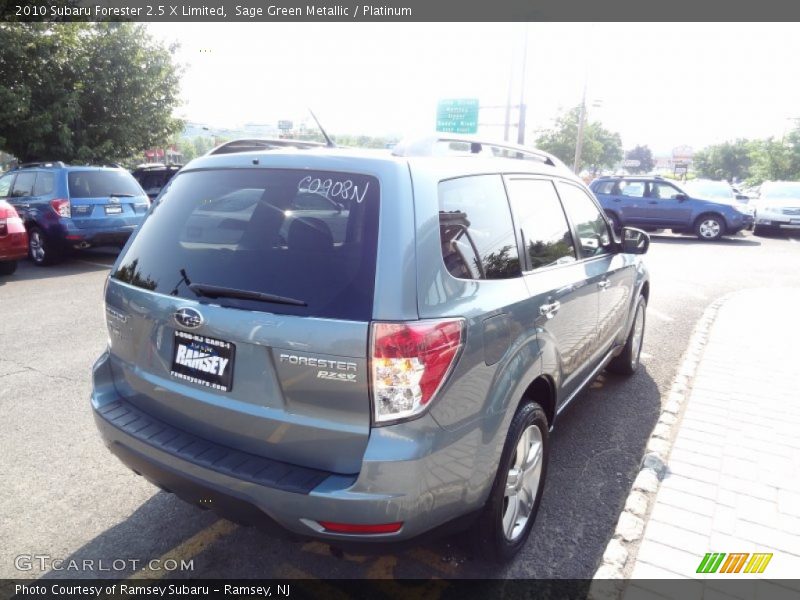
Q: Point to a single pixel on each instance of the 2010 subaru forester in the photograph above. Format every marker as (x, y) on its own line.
(365, 345)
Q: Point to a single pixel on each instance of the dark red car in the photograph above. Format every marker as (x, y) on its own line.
(13, 239)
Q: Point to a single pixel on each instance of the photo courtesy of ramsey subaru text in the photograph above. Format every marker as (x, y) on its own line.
(363, 346)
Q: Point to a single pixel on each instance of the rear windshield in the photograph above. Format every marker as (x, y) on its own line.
(102, 184)
(307, 236)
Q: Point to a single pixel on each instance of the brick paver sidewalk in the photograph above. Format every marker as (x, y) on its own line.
(733, 478)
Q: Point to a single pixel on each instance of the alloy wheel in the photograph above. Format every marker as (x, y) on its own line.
(522, 482)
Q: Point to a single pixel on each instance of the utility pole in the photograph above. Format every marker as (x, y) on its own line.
(522, 107)
(507, 124)
(581, 123)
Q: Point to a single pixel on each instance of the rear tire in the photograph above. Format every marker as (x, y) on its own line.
(507, 518)
(627, 361)
(8, 267)
(41, 249)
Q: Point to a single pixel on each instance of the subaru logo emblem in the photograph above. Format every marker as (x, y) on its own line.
(188, 317)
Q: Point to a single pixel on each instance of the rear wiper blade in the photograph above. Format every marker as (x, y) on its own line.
(217, 291)
(120, 195)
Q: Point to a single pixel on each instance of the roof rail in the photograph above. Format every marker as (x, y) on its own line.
(254, 145)
(442, 145)
(50, 164)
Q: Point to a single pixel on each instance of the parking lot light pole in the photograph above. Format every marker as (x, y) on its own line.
(522, 107)
(581, 123)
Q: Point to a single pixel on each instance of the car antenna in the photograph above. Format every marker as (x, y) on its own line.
(328, 141)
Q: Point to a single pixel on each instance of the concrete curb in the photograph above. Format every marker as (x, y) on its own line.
(608, 581)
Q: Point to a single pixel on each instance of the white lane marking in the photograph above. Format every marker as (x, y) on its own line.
(96, 264)
(793, 240)
(659, 315)
(645, 356)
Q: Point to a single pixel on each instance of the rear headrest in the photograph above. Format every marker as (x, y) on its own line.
(309, 234)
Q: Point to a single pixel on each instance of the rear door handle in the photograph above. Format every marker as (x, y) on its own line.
(549, 310)
(603, 284)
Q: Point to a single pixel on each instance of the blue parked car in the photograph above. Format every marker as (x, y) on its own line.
(657, 203)
(65, 207)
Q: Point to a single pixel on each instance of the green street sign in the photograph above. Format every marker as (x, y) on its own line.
(458, 115)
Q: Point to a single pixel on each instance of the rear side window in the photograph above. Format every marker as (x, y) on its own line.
(45, 182)
(604, 187)
(102, 184)
(540, 218)
(23, 186)
(243, 229)
(475, 227)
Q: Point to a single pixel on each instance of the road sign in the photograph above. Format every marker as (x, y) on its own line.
(631, 162)
(285, 125)
(459, 115)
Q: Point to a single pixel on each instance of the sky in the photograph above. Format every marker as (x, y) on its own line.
(660, 84)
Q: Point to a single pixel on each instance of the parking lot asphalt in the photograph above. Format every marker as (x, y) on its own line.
(66, 497)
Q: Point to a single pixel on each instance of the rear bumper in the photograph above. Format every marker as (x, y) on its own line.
(116, 236)
(14, 246)
(405, 476)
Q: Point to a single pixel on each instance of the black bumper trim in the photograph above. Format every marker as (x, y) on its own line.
(221, 459)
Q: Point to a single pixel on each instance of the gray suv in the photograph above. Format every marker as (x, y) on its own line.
(373, 373)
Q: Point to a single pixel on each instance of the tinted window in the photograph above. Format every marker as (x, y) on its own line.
(589, 223)
(45, 182)
(102, 184)
(541, 219)
(604, 187)
(23, 186)
(236, 229)
(151, 181)
(477, 234)
(5, 184)
(634, 189)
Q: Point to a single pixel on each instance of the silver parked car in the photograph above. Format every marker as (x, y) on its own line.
(365, 345)
(778, 206)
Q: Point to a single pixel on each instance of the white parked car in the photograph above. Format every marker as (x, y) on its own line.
(778, 206)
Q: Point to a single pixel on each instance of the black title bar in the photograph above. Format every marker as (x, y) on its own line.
(398, 11)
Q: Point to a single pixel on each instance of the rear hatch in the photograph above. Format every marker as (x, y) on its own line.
(105, 199)
(242, 316)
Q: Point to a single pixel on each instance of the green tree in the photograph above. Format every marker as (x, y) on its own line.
(601, 147)
(88, 92)
(776, 159)
(729, 160)
(645, 158)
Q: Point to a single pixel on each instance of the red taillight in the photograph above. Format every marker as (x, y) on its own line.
(7, 212)
(356, 528)
(61, 206)
(409, 362)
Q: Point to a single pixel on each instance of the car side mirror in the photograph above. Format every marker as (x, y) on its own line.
(680, 197)
(634, 241)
